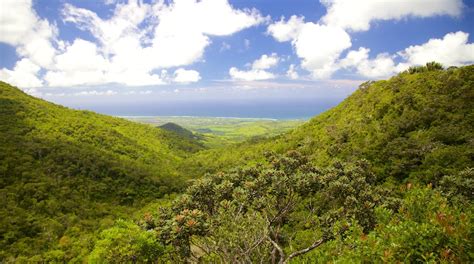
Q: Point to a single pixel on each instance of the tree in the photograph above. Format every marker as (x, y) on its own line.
(254, 214)
(126, 242)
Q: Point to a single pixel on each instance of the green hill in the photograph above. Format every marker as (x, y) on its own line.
(384, 177)
(178, 130)
(66, 173)
(415, 125)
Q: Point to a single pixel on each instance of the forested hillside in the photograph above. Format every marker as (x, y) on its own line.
(66, 173)
(417, 125)
(386, 176)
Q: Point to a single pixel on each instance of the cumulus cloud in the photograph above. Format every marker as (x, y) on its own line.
(266, 62)
(21, 27)
(452, 50)
(132, 44)
(186, 76)
(381, 66)
(357, 15)
(258, 70)
(286, 30)
(171, 42)
(318, 46)
(24, 74)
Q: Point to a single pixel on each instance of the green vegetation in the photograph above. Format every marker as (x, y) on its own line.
(413, 126)
(181, 131)
(216, 132)
(386, 176)
(66, 174)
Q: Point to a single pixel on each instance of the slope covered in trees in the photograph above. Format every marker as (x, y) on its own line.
(417, 125)
(178, 130)
(66, 173)
(386, 176)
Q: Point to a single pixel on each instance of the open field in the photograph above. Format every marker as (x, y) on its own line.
(219, 131)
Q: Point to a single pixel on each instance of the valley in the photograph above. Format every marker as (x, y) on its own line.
(387, 170)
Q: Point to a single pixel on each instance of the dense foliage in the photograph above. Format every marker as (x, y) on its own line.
(386, 176)
(66, 173)
(416, 126)
(291, 211)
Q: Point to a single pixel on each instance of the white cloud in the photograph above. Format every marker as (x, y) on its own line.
(94, 92)
(137, 40)
(24, 74)
(186, 76)
(21, 27)
(286, 30)
(82, 55)
(357, 15)
(382, 66)
(292, 73)
(251, 75)
(452, 50)
(318, 46)
(79, 64)
(266, 62)
(258, 69)
(123, 23)
(170, 41)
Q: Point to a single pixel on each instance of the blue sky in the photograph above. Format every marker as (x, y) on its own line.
(218, 57)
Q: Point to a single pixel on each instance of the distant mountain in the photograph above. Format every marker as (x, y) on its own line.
(418, 124)
(64, 170)
(179, 130)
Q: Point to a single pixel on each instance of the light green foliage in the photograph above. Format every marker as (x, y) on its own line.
(126, 242)
(66, 173)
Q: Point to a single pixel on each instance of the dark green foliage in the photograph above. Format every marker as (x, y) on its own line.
(430, 66)
(178, 130)
(66, 173)
(183, 139)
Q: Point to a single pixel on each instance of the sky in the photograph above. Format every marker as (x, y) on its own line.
(260, 58)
